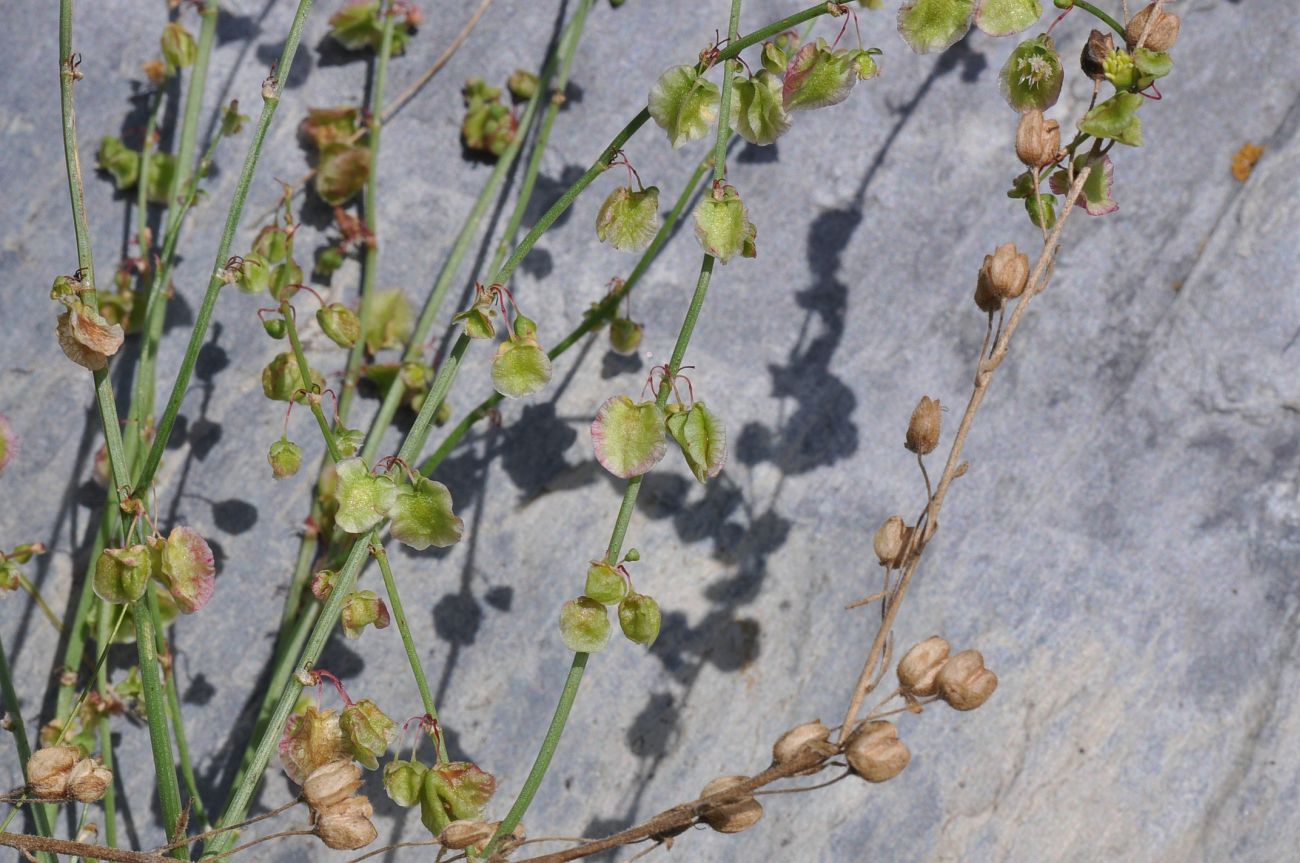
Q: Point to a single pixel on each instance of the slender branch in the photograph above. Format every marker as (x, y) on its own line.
(14, 710)
(271, 100)
(169, 793)
(983, 377)
(304, 373)
(41, 844)
(412, 653)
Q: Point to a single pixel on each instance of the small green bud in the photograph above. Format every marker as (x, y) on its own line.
(584, 625)
(1119, 69)
(349, 441)
(605, 583)
(525, 328)
(232, 122)
(522, 84)
(368, 730)
(178, 46)
(774, 59)
(281, 379)
(122, 574)
(702, 437)
(285, 458)
(255, 274)
(272, 244)
(722, 224)
(1047, 203)
(639, 617)
(625, 336)
(328, 260)
(363, 608)
(340, 323)
(120, 161)
(632, 555)
(276, 328)
(403, 780)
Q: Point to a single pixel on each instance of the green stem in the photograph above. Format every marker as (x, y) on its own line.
(460, 247)
(177, 720)
(579, 664)
(76, 648)
(271, 100)
(169, 793)
(102, 638)
(15, 711)
(412, 654)
(35, 594)
(1102, 16)
(304, 372)
(590, 321)
(370, 205)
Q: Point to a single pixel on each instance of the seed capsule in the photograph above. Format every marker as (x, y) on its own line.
(890, 540)
(875, 753)
(964, 682)
(1005, 273)
(463, 834)
(49, 769)
(331, 783)
(919, 668)
(1164, 31)
(1095, 51)
(346, 825)
(734, 816)
(1038, 139)
(923, 430)
(89, 780)
(789, 745)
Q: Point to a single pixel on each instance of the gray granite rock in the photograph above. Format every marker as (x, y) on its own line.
(1124, 549)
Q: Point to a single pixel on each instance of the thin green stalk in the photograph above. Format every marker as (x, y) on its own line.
(237, 807)
(271, 100)
(168, 793)
(589, 322)
(460, 247)
(35, 594)
(412, 654)
(370, 204)
(178, 722)
(579, 663)
(74, 653)
(19, 729)
(304, 371)
(102, 638)
(1100, 15)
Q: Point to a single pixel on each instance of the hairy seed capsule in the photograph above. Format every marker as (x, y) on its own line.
(1164, 29)
(875, 753)
(964, 682)
(331, 783)
(890, 539)
(918, 670)
(733, 816)
(462, 834)
(346, 825)
(789, 745)
(89, 780)
(1038, 139)
(1095, 51)
(1005, 272)
(49, 769)
(923, 430)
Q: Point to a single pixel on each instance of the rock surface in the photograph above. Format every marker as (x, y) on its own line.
(1124, 550)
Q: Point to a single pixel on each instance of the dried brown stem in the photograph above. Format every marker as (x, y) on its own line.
(1038, 280)
(28, 844)
(672, 821)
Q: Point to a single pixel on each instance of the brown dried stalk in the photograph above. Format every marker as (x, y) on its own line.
(39, 844)
(1038, 281)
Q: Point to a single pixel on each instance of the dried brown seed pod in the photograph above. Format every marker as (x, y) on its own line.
(984, 298)
(875, 753)
(964, 682)
(1164, 30)
(1095, 51)
(918, 670)
(49, 769)
(890, 540)
(1005, 273)
(331, 783)
(923, 430)
(346, 825)
(1038, 140)
(89, 780)
(462, 834)
(789, 745)
(734, 816)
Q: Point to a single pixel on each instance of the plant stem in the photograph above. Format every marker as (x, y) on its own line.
(370, 205)
(169, 794)
(579, 663)
(1102, 16)
(271, 100)
(590, 321)
(102, 638)
(412, 654)
(304, 373)
(460, 247)
(174, 714)
(15, 711)
(35, 594)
